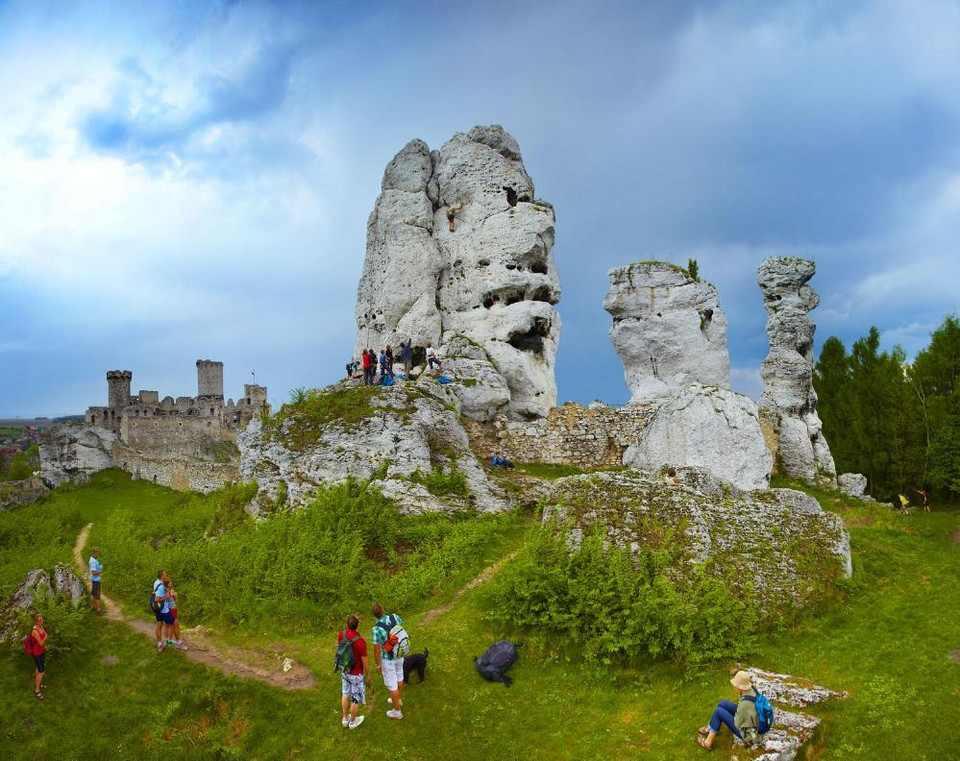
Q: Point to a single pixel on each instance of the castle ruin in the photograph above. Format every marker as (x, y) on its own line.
(188, 426)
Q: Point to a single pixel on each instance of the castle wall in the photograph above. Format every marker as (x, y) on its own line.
(571, 435)
(179, 474)
(175, 436)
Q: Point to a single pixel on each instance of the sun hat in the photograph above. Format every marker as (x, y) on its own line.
(741, 680)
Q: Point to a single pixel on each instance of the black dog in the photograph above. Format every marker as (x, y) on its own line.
(415, 662)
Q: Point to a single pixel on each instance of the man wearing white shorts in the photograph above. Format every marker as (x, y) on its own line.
(389, 666)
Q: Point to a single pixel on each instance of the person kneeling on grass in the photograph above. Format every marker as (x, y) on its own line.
(739, 717)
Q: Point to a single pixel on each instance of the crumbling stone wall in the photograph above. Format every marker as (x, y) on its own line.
(181, 474)
(585, 437)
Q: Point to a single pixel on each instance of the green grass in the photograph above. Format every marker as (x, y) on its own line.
(885, 637)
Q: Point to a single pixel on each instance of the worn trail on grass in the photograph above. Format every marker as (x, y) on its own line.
(484, 577)
(274, 668)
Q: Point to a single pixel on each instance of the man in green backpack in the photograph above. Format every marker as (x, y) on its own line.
(351, 662)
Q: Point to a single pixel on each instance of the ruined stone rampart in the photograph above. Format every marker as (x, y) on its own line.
(570, 435)
(181, 474)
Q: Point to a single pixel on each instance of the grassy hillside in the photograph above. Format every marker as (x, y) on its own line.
(886, 637)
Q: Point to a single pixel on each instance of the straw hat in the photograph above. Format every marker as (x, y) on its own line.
(741, 680)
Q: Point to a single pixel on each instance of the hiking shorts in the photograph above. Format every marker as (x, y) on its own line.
(164, 618)
(392, 672)
(95, 590)
(38, 660)
(175, 612)
(354, 688)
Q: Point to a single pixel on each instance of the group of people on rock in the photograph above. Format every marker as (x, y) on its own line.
(369, 362)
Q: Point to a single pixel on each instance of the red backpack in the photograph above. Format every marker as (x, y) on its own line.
(28, 644)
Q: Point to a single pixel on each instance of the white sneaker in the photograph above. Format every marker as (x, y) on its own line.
(160, 646)
(356, 722)
(180, 645)
(395, 714)
(345, 722)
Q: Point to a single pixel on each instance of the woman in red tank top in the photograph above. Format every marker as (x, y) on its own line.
(39, 635)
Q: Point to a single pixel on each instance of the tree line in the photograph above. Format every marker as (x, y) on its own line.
(897, 422)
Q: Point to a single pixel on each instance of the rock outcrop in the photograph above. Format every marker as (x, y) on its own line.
(668, 330)
(800, 547)
(406, 440)
(852, 484)
(790, 729)
(457, 246)
(75, 452)
(23, 492)
(66, 587)
(789, 401)
(709, 428)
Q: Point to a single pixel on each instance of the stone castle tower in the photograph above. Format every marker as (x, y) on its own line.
(209, 379)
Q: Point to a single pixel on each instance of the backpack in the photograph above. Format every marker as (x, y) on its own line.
(398, 641)
(343, 660)
(28, 644)
(764, 712)
(495, 662)
(156, 606)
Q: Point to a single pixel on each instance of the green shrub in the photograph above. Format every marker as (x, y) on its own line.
(441, 483)
(608, 603)
(300, 422)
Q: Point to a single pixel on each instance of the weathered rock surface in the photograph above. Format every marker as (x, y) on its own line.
(67, 586)
(781, 530)
(407, 429)
(668, 330)
(852, 484)
(74, 453)
(23, 492)
(790, 730)
(789, 401)
(710, 428)
(457, 246)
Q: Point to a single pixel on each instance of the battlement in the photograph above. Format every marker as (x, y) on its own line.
(181, 426)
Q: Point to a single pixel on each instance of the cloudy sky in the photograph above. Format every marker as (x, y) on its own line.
(184, 180)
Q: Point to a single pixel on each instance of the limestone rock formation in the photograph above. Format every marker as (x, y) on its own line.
(668, 330)
(778, 529)
(458, 247)
(75, 452)
(407, 433)
(790, 730)
(852, 484)
(66, 587)
(789, 401)
(23, 492)
(710, 428)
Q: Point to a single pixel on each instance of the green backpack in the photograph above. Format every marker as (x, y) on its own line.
(343, 660)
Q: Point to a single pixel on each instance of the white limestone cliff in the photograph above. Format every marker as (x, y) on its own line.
(789, 401)
(668, 329)
(709, 428)
(457, 248)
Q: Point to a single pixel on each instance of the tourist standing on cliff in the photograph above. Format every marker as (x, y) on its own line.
(406, 356)
(365, 361)
(96, 567)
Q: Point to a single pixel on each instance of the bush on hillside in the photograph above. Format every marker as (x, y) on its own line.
(604, 603)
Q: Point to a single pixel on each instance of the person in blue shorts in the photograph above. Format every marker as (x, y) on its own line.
(164, 617)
